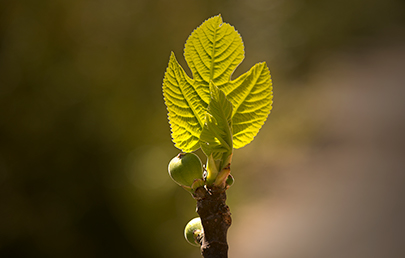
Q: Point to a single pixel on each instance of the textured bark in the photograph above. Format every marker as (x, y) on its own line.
(216, 219)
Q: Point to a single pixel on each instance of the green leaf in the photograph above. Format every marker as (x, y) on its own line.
(186, 110)
(209, 109)
(213, 51)
(252, 97)
(216, 135)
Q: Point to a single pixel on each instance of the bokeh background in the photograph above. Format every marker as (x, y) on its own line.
(85, 143)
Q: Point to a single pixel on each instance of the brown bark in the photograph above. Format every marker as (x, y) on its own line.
(216, 219)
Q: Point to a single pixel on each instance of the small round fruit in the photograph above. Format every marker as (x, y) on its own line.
(185, 168)
(193, 231)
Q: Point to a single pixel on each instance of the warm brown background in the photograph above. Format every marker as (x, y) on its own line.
(85, 143)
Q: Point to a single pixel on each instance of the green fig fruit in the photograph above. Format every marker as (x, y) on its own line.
(193, 231)
(185, 168)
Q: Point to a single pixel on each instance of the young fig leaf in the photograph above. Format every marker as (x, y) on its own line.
(216, 135)
(212, 52)
(252, 97)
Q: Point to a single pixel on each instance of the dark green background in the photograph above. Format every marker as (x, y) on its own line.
(84, 138)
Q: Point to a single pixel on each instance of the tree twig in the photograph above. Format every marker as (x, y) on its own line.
(216, 219)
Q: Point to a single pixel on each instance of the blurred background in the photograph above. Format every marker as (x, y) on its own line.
(85, 142)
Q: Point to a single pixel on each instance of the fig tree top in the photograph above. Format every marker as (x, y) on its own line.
(211, 110)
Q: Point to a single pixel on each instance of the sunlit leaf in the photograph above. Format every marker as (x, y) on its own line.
(213, 51)
(186, 110)
(252, 98)
(216, 136)
(210, 109)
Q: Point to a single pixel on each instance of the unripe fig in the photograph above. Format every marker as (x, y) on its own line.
(185, 168)
(193, 231)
